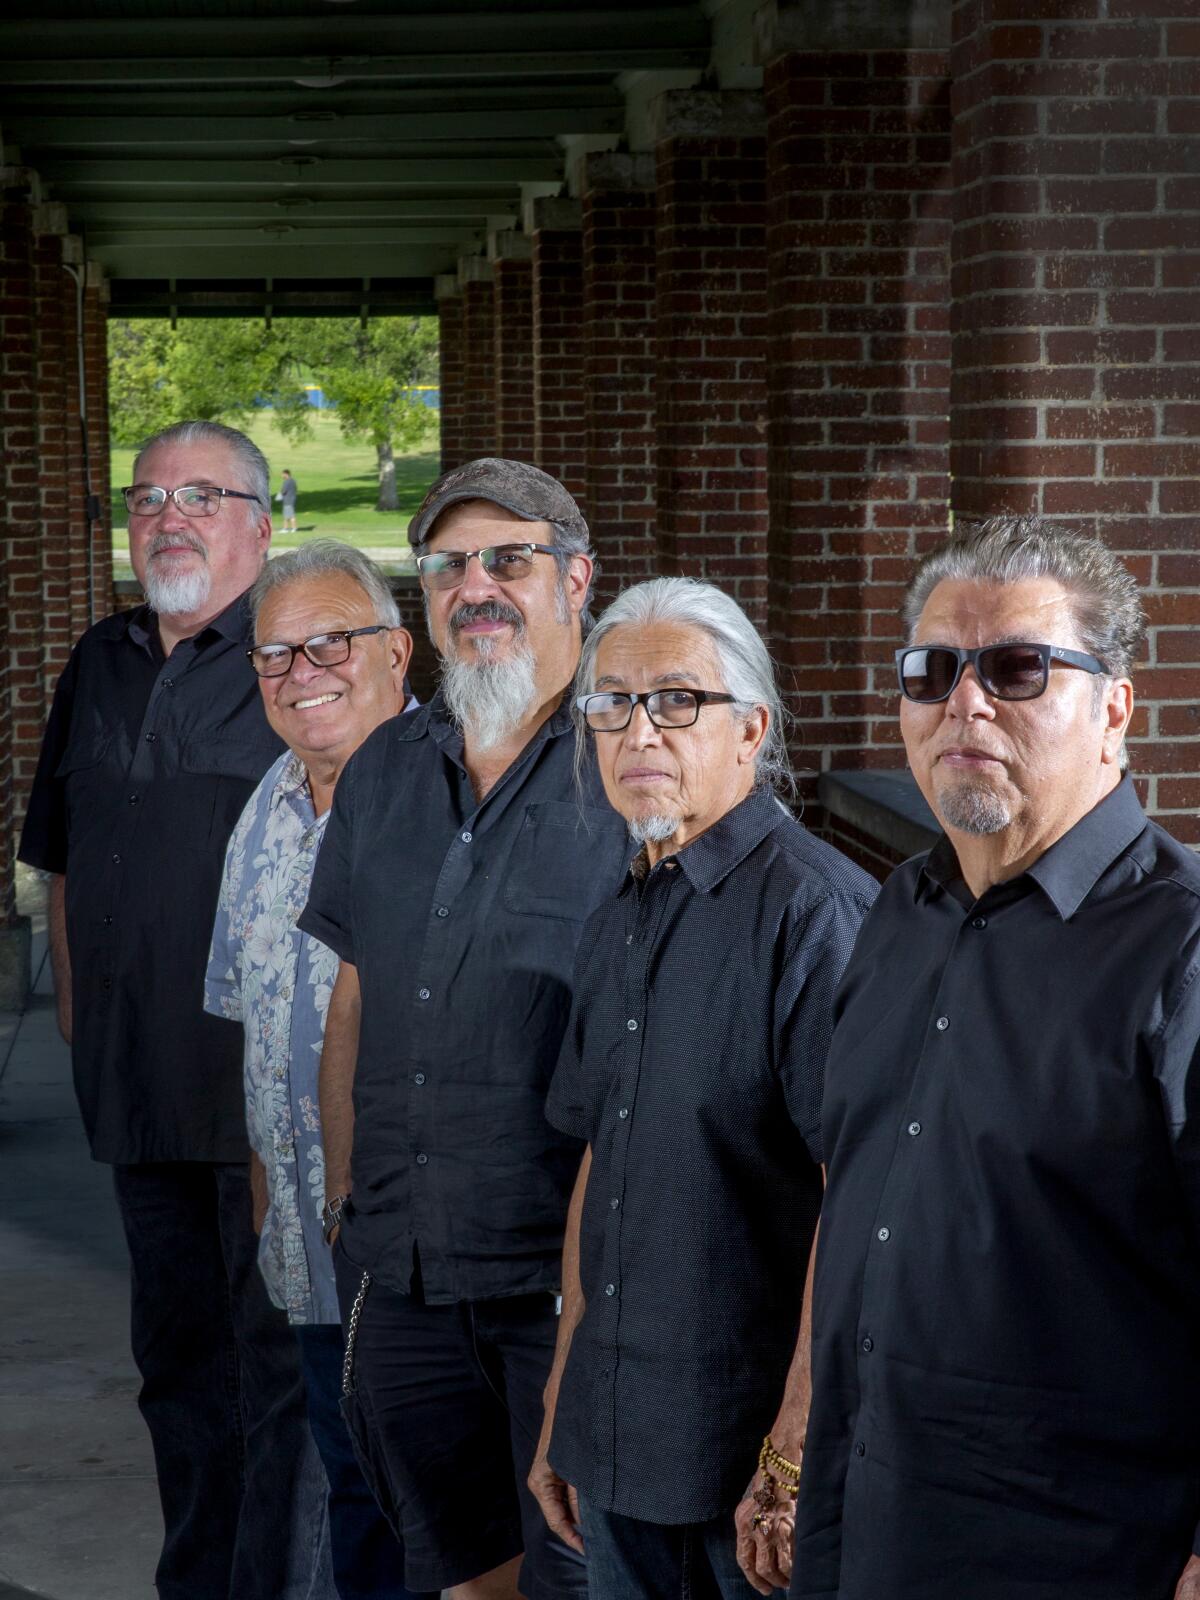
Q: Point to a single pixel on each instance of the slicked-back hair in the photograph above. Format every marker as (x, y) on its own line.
(256, 474)
(1103, 595)
(321, 558)
(742, 659)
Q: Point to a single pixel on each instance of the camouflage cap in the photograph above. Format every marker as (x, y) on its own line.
(516, 485)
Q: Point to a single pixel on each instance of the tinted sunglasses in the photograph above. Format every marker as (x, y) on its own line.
(930, 672)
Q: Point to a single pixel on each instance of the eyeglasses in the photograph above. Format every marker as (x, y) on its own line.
(506, 563)
(323, 650)
(929, 673)
(611, 712)
(194, 500)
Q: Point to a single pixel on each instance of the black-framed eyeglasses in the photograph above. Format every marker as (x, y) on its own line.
(930, 672)
(506, 563)
(323, 650)
(193, 499)
(608, 711)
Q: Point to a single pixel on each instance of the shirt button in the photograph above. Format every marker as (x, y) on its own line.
(614, 1202)
(884, 1235)
(610, 1288)
(422, 994)
(133, 799)
(914, 1128)
(628, 938)
(116, 859)
(860, 1449)
(942, 1024)
(979, 922)
(106, 983)
(868, 1345)
(168, 683)
(466, 837)
(443, 911)
(108, 922)
(150, 738)
(623, 1113)
(632, 1024)
(418, 1078)
(422, 1160)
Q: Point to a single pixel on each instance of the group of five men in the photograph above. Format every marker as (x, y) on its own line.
(559, 1033)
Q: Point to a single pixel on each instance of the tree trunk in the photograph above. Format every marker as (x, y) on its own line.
(387, 478)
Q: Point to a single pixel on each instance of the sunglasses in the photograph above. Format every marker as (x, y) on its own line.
(504, 563)
(930, 672)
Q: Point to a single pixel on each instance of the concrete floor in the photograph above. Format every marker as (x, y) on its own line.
(79, 1516)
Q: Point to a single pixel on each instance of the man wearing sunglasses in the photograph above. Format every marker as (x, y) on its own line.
(459, 864)
(156, 740)
(1006, 1374)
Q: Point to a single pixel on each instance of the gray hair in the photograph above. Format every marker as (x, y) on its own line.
(317, 559)
(253, 464)
(745, 666)
(1104, 597)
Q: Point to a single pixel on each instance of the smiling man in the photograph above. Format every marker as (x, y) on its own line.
(1006, 1366)
(156, 740)
(692, 1068)
(459, 865)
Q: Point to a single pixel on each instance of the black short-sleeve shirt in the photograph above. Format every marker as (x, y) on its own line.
(693, 1065)
(1006, 1339)
(146, 764)
(462, 918)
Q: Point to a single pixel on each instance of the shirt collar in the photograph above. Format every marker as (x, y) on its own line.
(434, 720)
(719, 849)
(291, 784)
(1070, 869)
(233, 624)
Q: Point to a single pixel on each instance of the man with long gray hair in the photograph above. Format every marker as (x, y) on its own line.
(155, 742)
(692, 1070)
(458, 867)
(1006, 1367)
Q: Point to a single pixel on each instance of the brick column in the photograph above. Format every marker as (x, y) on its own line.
(54, 303)
(556, 229)
(79, 533)
(512, 264)
(478, 436)
(450, 369)
(711, 399)
(1076, 353)
(96, 491)
(858, 373)
(618, 365)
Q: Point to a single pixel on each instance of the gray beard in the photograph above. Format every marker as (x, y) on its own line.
(175, 594)
(972, 808)
(489, 699)
(654, 829)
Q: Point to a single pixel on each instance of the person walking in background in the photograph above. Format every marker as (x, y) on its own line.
(287, 500)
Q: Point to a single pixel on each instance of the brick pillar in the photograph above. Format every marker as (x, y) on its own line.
(711, 398)
(618, 365)
(79, 533)
(98, 500)
(54, 301)
(478, 436)
(858, 373)
(559, 438)
(1076, 353)
(512, 265)
(451, 394)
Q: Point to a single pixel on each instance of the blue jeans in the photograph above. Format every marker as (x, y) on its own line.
(221, 1389)
(628, 1559)
(368, 1560)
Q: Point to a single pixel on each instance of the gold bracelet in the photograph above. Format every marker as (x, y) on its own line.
(770, 1458)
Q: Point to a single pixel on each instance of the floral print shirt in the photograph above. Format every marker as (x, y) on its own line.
(276, 981)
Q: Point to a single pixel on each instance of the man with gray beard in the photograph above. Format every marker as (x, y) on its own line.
(460, 863)
(156, 740)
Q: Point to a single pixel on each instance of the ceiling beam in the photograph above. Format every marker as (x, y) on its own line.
(289, 234)
(138, 215)
(276, 258)
(301, 298)
(288, 100)
(128, 130)
(71, 176)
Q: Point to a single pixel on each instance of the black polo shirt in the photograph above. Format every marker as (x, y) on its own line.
(1006, 1352)
(462, 918)
(693, 1065)
(146, 764)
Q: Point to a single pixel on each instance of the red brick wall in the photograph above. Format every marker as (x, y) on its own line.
(450, 378)
(95, 355)
(559, 428)
(1076, 352)
(54, 302)
(618, 366)
(514, 358)
(858, 241)
(711, 291)
(478, 435)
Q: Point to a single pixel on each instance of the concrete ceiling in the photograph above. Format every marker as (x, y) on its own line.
(344, 153)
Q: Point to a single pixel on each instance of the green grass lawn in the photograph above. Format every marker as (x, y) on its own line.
(338, 487)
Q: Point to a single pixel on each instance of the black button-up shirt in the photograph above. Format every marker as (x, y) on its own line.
(1006, 1342)
(145, 767)
(693, 1065)
(462, 918)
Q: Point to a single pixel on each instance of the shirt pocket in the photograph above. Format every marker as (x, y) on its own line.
(221, 775)
(566, 859)
(85, 775)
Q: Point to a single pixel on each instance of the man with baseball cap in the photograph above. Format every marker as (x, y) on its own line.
(460, 863)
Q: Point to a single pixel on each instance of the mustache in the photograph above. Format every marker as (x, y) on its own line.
(166, 541)
(486, 611)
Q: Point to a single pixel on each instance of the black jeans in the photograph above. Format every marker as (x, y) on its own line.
(221, 1390)
(628, 1559)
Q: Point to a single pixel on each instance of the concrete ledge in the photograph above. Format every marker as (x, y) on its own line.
(709, 114)
(553, 214)
(886, 806)
(607, 169)
(509, 245)
(815, 25)
(16, 941)
(474, 269)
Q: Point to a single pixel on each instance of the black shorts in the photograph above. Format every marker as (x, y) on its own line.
(445, 1408)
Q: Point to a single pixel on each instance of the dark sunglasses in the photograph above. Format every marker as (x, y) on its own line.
(930, 672)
